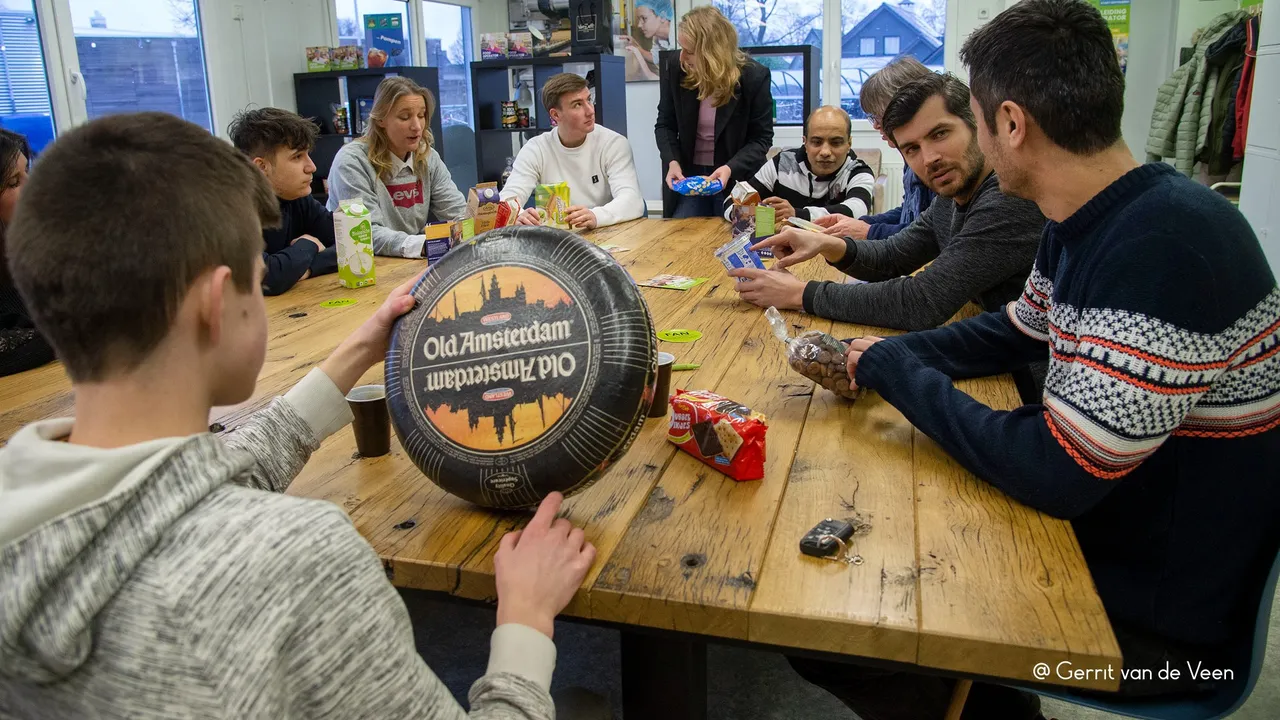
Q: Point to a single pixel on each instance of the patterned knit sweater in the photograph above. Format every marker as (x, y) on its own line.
(1158, 434)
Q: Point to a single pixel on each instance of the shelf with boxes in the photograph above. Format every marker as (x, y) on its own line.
(492, 85)
(320, 94)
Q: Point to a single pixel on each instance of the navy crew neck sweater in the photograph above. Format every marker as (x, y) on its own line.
(288, 261)
(1159, 431)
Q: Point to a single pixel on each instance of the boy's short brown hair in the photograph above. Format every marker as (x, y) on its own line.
(557, 86)
(119, 217)
(261, 132)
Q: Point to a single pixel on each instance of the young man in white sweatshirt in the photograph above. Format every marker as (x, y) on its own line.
(152, 569)
(595, 161)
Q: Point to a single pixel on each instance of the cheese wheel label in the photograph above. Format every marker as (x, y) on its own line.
(505, 354)
(527, 366)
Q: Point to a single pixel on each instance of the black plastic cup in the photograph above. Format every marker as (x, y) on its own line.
(372, 425)
(662, 389)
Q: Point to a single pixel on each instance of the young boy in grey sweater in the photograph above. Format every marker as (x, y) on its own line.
(978, 243)
(152, 569)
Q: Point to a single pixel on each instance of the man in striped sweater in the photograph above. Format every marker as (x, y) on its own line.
(822, 178)
(1159, 431)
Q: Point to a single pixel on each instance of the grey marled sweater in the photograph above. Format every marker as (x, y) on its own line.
(192, 588)
(981, 251)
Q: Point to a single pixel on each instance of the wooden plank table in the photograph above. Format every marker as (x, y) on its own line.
(957, 577)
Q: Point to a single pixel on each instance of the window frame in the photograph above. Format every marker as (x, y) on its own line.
(897, 41)
(862, 47)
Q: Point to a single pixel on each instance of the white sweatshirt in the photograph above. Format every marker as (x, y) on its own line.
(601, 173)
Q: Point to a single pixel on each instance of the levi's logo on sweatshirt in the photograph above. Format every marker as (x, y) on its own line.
(406, 195)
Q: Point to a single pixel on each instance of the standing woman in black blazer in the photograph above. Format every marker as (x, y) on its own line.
(715, 113)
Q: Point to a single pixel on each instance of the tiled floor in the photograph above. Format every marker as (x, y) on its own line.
(744, 684)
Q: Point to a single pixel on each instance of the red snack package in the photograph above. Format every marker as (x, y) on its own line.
(507, 213)
(721, 433)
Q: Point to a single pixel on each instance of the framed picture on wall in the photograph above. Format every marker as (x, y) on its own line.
(649, 29)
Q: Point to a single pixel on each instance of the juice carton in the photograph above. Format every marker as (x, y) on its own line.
(354, 234)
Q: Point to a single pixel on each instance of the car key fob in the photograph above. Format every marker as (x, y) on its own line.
(819, 541)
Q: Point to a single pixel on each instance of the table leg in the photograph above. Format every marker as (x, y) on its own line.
(663, 677)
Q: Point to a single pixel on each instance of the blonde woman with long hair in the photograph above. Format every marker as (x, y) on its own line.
(395, 171)
(715, 113)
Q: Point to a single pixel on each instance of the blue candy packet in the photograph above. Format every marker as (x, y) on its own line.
(700, 185)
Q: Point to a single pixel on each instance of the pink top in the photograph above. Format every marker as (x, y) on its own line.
(704, 147)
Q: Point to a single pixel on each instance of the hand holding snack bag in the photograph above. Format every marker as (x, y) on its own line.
(720, 432)
(554, 201)
(815, 355)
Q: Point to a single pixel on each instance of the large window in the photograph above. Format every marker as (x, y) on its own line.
(25, 104)
(779, 22)
(449, 47)
(131, 55)
(141, 55)
(384, 23)
(876, 31)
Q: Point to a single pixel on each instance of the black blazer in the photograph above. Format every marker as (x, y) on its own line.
(744, 125)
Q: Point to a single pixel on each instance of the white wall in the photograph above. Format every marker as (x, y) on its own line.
(1194, 14)
(1260, 186)
(253, 48)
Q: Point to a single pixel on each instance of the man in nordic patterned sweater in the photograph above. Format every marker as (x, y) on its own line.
(822, 178)
(1159, 431)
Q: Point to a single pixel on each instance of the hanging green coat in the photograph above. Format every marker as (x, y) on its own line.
(1184, 111)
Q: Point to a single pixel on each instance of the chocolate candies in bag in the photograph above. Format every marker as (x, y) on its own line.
(815, 355)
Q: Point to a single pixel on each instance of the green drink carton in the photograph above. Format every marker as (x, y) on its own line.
(354, 234)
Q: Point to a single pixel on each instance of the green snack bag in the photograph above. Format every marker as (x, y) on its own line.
(354, 234)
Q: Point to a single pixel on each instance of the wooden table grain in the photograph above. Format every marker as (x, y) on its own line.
(956, 576)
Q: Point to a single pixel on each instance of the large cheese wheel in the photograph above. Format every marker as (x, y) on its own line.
(527, 366)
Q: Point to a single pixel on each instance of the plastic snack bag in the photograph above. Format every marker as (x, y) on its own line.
(700, 185)
(737, 253)
(815, 355)
(726, 435)
(554, 199)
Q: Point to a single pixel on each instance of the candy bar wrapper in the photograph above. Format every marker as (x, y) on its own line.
(720, 432)
(737, 253)
(354, 235)
(815, 355)
(554, 199)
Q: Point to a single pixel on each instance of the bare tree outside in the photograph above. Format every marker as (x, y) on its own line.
(184, 15)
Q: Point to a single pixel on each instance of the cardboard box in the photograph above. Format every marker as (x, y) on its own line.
(318, 59)
(439, 241)
(493, 46)
(345, 57)
(519, 45)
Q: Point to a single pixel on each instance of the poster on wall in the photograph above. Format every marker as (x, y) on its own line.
(384, 41)
(1116, 13)
(649, 29)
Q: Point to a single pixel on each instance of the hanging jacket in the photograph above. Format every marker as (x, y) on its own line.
(1180, 123)
(1244, 96)
(1225, 58)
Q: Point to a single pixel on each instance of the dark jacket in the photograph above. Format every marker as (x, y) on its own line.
(744, 125)
(22, 347)
(287, 261)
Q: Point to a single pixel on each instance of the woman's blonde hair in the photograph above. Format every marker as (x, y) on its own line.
(717, 63)
(388, 94)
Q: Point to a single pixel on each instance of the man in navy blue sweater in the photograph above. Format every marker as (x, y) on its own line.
(1159, 431)
(279, 143)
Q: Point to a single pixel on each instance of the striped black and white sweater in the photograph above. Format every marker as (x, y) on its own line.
(787, 176)
(1159, 430)
(173, 579)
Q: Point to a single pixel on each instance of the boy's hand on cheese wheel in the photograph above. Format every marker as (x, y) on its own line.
(539, 568)
(580, 217)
